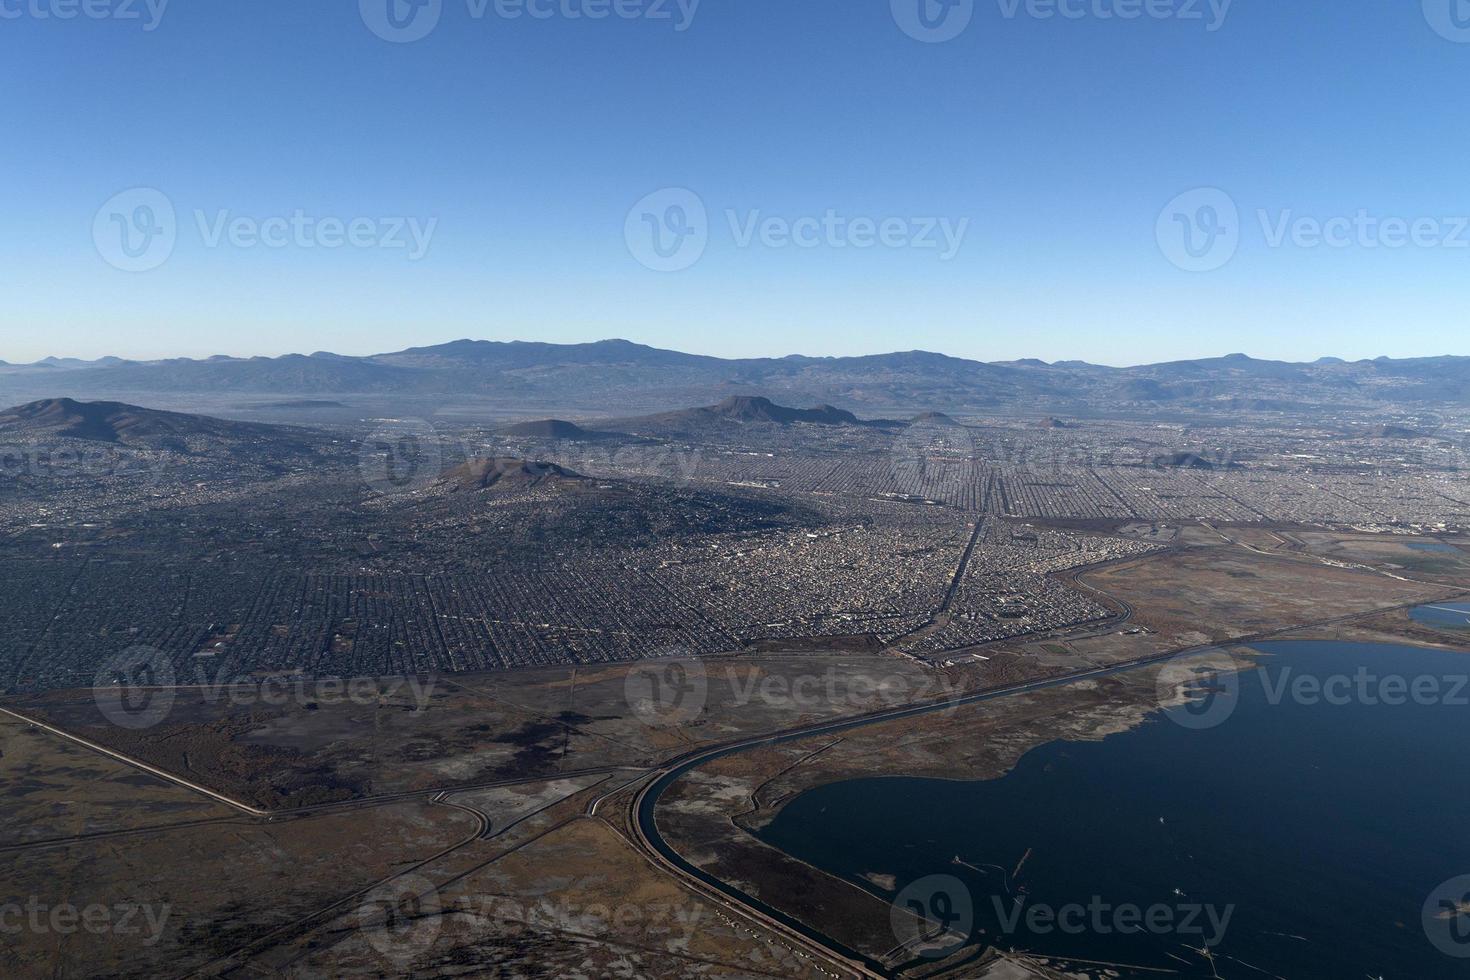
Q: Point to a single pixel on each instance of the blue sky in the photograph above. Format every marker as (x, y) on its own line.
(519, 147)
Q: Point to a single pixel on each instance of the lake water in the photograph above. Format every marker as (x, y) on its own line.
(1434, 546)
(1301, 836)
(1443, 615)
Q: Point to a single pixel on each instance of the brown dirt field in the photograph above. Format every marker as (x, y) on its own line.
(52, 788)
(209, 888)
(1221, 594)
(576, 901)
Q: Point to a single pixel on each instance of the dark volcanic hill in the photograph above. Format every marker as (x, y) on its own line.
(1193, 461)
(740, 410)
(1392, 432)
(504, 473)
(141, 428)
(753, 408)
(556, 429)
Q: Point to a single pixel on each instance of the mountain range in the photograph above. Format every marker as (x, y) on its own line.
(612, 374)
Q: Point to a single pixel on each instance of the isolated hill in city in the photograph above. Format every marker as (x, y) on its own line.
(1193, 461)
(142, 428)
(1392, 432)
(743, 410)
(556, 429)
(748, 408)
(506, 473)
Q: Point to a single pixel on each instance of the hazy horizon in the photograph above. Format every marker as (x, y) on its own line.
(24, 361)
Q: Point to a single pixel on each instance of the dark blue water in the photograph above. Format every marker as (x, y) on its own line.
(1443, 615)
(1320, 818)
(1434, 546)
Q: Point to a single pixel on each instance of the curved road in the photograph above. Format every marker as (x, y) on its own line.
(644, 806)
